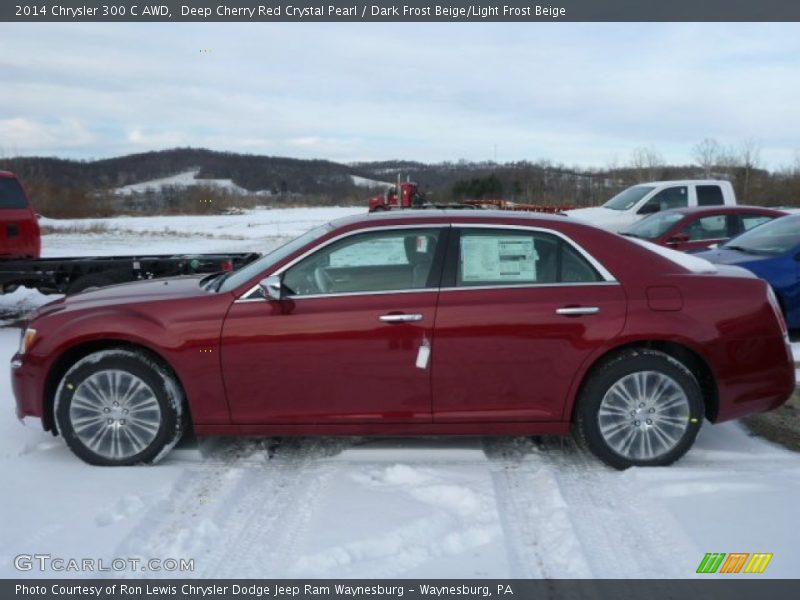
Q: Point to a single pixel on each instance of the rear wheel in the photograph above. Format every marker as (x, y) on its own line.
(119, 407)
(642, 408)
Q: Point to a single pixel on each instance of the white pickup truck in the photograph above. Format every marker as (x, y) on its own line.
(644, 199)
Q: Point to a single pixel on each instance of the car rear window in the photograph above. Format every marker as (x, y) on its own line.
(11, 195)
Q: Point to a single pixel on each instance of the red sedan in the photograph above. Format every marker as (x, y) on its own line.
(417, 323)
(699, 228)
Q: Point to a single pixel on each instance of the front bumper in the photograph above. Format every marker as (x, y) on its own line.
(27, 385)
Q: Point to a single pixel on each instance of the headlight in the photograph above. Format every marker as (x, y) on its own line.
(26, 340)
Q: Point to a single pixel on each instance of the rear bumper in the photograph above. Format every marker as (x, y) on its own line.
(758, 375)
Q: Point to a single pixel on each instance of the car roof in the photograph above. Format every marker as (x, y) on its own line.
(685, 182)
(720, 209)
(446, 215)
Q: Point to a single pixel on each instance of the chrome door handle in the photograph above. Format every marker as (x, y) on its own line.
(400, 318)
(571, 311)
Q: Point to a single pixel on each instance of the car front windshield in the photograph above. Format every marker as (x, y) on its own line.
(249, 271)
(774, 238)
(628, 198)
(653, 226)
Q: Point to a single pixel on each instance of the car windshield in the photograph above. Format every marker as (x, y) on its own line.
(653, 226)
(247, 272)
(776, 237)
(628, 198)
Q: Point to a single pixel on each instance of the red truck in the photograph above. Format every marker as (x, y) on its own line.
(21, 262)
(409, 196)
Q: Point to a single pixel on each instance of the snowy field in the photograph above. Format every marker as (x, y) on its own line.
(353, 507)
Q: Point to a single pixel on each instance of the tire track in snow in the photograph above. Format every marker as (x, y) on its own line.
(574, 517)
(272, 509)
(457, 519)
(216, 502)
(540, 537)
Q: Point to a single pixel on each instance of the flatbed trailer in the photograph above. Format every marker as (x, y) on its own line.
(75, 274)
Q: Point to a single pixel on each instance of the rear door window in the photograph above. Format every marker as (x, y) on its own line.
(750, 221)
(11, 195)
(709, 195)
(498, 257)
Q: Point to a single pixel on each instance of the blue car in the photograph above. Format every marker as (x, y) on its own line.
(771, 251)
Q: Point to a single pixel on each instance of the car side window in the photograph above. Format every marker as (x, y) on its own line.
(671, 197)
(375, 261)
(750, 221)
(497, 257)
(713, 227)
(709, 195)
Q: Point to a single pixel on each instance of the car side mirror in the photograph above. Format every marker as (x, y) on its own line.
(648, 209)
(272, 287)
(678, 238)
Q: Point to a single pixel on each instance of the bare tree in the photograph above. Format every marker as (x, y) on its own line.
(648, 163)
(707, 154)
(749, 159)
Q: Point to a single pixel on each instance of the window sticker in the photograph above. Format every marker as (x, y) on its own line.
(504, 258)
(422, 244)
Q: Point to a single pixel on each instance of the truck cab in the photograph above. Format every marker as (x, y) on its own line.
(19, 228)
(641, 200)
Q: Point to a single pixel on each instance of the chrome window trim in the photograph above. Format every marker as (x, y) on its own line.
(469, 288)
(608, 278)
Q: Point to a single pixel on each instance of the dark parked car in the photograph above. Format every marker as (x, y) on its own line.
(423, 322)
(772, 253)
(699, 228)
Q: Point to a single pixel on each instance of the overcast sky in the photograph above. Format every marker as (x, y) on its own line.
(584, 94)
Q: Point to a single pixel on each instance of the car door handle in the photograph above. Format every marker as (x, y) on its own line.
(400, 318)
(572, 311)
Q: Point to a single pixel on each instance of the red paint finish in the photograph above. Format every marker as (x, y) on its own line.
(505, 355)
(502, 360)
(19, 228)
(328, 359)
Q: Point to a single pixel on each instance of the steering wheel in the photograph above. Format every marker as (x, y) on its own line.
(323, 280)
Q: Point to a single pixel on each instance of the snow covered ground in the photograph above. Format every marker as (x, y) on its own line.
(355, 507)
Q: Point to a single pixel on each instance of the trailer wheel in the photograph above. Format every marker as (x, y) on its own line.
(379, 208)
(89, 282)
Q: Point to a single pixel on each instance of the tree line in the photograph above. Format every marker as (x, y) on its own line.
(70, 188)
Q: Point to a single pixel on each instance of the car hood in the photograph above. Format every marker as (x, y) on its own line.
(725, 256)
(137, 291)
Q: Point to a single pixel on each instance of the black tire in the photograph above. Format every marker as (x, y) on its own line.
(379, 208)
(656, 365)
(89, 282)
(162, 410)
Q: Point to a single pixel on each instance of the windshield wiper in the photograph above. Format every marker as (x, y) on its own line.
(220, 279)
(631, 234)
(743, 249)
(213, 281)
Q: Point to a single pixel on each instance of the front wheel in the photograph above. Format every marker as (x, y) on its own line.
(642, 408)
(119, 407)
